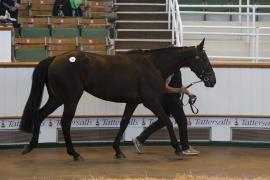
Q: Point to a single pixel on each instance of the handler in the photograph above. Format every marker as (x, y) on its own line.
(172, 106)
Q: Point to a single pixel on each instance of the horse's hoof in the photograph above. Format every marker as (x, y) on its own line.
(26, 149)
(78, 158)
(120, 156)
(179, 155)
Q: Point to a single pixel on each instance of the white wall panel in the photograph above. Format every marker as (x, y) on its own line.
(2, 90)
(243, 91)
(11, 92)
(239, 91)
(23, 88)
(5, 45)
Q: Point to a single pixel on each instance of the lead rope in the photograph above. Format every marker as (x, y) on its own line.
(191, 102)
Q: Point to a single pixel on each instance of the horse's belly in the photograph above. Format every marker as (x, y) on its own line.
(115, 95)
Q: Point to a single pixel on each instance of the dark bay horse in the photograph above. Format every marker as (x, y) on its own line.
(133, 77)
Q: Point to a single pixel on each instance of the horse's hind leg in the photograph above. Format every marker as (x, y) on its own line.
(156, 107)
(69, 112)
(47, 109)
(129, 109)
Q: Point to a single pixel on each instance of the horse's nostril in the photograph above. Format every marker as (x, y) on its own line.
(205, 79)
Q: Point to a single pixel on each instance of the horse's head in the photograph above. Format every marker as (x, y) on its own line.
(201, 66)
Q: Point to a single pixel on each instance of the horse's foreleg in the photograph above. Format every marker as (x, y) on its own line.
(69, 112)
(156, 107)
(129, 109)
(47, 109)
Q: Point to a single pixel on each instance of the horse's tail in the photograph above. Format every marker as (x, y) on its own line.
(31, 109)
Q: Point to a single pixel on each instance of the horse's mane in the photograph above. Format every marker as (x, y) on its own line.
(156, 50)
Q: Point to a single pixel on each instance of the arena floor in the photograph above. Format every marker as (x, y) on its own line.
(157, 162)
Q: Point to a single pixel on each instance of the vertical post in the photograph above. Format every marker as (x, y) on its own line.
(173, 22)
(248, 12)
(176, 28)
(179, 24)
(247, 23)
(240, 11)
(254, 9)
(169, 14)
(254, 32)
(257, 44)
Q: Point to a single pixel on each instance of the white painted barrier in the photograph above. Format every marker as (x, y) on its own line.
(5, 43)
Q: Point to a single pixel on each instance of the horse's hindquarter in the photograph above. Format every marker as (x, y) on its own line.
(65, 75)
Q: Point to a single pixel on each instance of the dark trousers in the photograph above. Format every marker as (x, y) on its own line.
(172, 106)
(14, 14)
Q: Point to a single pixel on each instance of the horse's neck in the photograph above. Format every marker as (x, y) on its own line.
(172, 59)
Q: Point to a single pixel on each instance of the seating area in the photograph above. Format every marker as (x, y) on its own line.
(42, 35)
(91, 9)
(35, 49)
(61, 27)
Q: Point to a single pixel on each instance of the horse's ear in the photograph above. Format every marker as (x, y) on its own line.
(200, 46)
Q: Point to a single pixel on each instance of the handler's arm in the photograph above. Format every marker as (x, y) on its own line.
(169, 89)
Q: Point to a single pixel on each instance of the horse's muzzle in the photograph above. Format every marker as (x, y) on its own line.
(209, 80)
